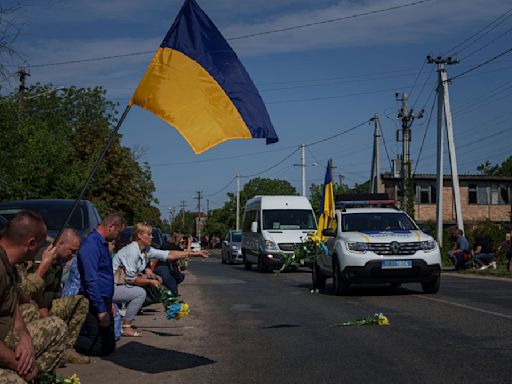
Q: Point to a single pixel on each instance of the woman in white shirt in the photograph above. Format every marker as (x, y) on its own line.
(134, 259)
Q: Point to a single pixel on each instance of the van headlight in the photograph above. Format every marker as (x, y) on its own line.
(234, 247)
(428, 246)
(271, 246)
(357, 247)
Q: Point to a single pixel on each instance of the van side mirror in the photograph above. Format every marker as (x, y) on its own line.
(329, 232)
(254, 226)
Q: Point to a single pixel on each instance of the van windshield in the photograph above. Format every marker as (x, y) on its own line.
(376, 222)
(283, 219)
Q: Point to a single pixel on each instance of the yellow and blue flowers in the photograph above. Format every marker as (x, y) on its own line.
(174, 308)
(375, 319)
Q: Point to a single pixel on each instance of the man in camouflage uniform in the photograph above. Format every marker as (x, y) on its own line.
(42, 283)
(37, 347)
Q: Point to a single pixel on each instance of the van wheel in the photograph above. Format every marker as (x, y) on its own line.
(318, 278)
(222, 260)
(247, 265)
(341, 286)
(262, 267)
(431, 286)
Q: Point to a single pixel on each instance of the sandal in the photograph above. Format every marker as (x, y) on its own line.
(131, 333)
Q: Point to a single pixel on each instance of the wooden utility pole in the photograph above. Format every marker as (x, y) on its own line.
(375, 172)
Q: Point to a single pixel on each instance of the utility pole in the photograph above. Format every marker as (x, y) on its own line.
(375, 172)
(183, 205)
(443, 105)
(237, 202)
(21, 93)
(198, 224)
(303, 167)
(172, 212)
(407, 117)
(207, 206)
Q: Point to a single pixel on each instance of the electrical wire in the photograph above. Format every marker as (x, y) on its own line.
(338, 134)
(271, 167)
(480, 65)
(223, 188)
(424, 136)
(301, 26)
(487, 44)
(474, 35)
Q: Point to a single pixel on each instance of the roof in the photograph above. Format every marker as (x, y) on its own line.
(371, 210)
(388, 176)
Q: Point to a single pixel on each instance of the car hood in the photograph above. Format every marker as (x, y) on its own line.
(402, 236)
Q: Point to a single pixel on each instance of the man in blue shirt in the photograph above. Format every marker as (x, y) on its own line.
(97, 284)
(461, 250)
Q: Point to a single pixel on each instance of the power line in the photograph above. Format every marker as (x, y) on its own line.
(110, 57)
(336, 135)
(424, 136)
(271, 167)
(223, 188)
(330, 20)
(487, 44)
(480, 65)
(475, 34)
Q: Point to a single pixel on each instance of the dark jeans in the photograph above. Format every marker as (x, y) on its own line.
(171, 283)
(94, 340)
(460, 259)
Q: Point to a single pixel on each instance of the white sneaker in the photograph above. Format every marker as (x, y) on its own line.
(493, 265)
(483, 267)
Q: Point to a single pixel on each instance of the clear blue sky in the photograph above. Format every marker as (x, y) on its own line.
(316, 81)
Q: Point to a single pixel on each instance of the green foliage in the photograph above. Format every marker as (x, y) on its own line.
(184, 222)
(317, 192)
(49, 149)
(505, 169)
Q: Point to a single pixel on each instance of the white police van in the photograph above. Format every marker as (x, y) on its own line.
(273, 226)
(375, 242)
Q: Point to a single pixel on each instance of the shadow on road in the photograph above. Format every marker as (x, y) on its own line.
(367, 290)
(146, 358)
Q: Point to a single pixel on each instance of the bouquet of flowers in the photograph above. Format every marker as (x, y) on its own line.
(307, 250)
(50, 378)
(375, 319)
(174, 307)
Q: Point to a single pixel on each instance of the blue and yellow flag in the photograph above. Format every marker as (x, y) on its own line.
(196, 83)
(327, 218)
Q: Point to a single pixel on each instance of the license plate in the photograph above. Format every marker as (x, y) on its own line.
(396, 264)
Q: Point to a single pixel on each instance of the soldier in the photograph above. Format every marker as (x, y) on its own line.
(36, 347)
(72, 309)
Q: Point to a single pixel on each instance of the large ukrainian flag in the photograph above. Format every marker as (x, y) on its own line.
(196, 83)
(327, 219)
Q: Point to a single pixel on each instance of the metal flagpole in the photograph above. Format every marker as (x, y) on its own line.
(94, 169)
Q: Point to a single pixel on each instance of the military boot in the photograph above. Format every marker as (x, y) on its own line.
(73, 357)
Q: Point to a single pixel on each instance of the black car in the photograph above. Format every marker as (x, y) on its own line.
(55, 211)
(3, 224)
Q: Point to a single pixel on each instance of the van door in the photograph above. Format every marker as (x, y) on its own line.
(251, 240)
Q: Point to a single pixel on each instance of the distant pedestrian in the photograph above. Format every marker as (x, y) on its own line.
(506, 247)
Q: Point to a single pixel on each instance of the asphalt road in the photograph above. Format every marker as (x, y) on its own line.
(248, 327)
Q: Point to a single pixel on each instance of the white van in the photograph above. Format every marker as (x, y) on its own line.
(273, 225)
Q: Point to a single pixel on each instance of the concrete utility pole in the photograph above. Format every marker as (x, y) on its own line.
(443, 105)
(21, 93)
(207, 206)
(303, 167)
(237, 202)
(198, 224)
(407, 117)
(375, 172)
(172, 212)
(183, 205)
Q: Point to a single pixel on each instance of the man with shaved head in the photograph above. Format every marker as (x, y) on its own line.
(42, 284)
(38, 346)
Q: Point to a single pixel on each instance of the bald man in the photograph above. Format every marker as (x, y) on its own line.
(36, 347)
(71, 309)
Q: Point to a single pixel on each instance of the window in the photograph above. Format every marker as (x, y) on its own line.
(376, 222)
(500, 194)
(281, 219)
(477, 194)
(426, 194)
(249, 217)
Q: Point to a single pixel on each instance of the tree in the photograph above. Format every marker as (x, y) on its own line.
(317, 193)
(9, 31)
(505, 169)
(49, 151)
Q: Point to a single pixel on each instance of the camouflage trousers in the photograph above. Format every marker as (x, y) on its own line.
(48, 337)
(71, 309)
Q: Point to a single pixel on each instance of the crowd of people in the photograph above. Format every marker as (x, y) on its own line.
(50, 316)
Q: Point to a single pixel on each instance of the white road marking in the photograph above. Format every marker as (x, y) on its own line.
(465, 307)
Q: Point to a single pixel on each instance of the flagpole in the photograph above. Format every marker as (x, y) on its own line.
(94, 169)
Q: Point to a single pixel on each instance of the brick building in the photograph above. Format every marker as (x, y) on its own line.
(481, 197)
